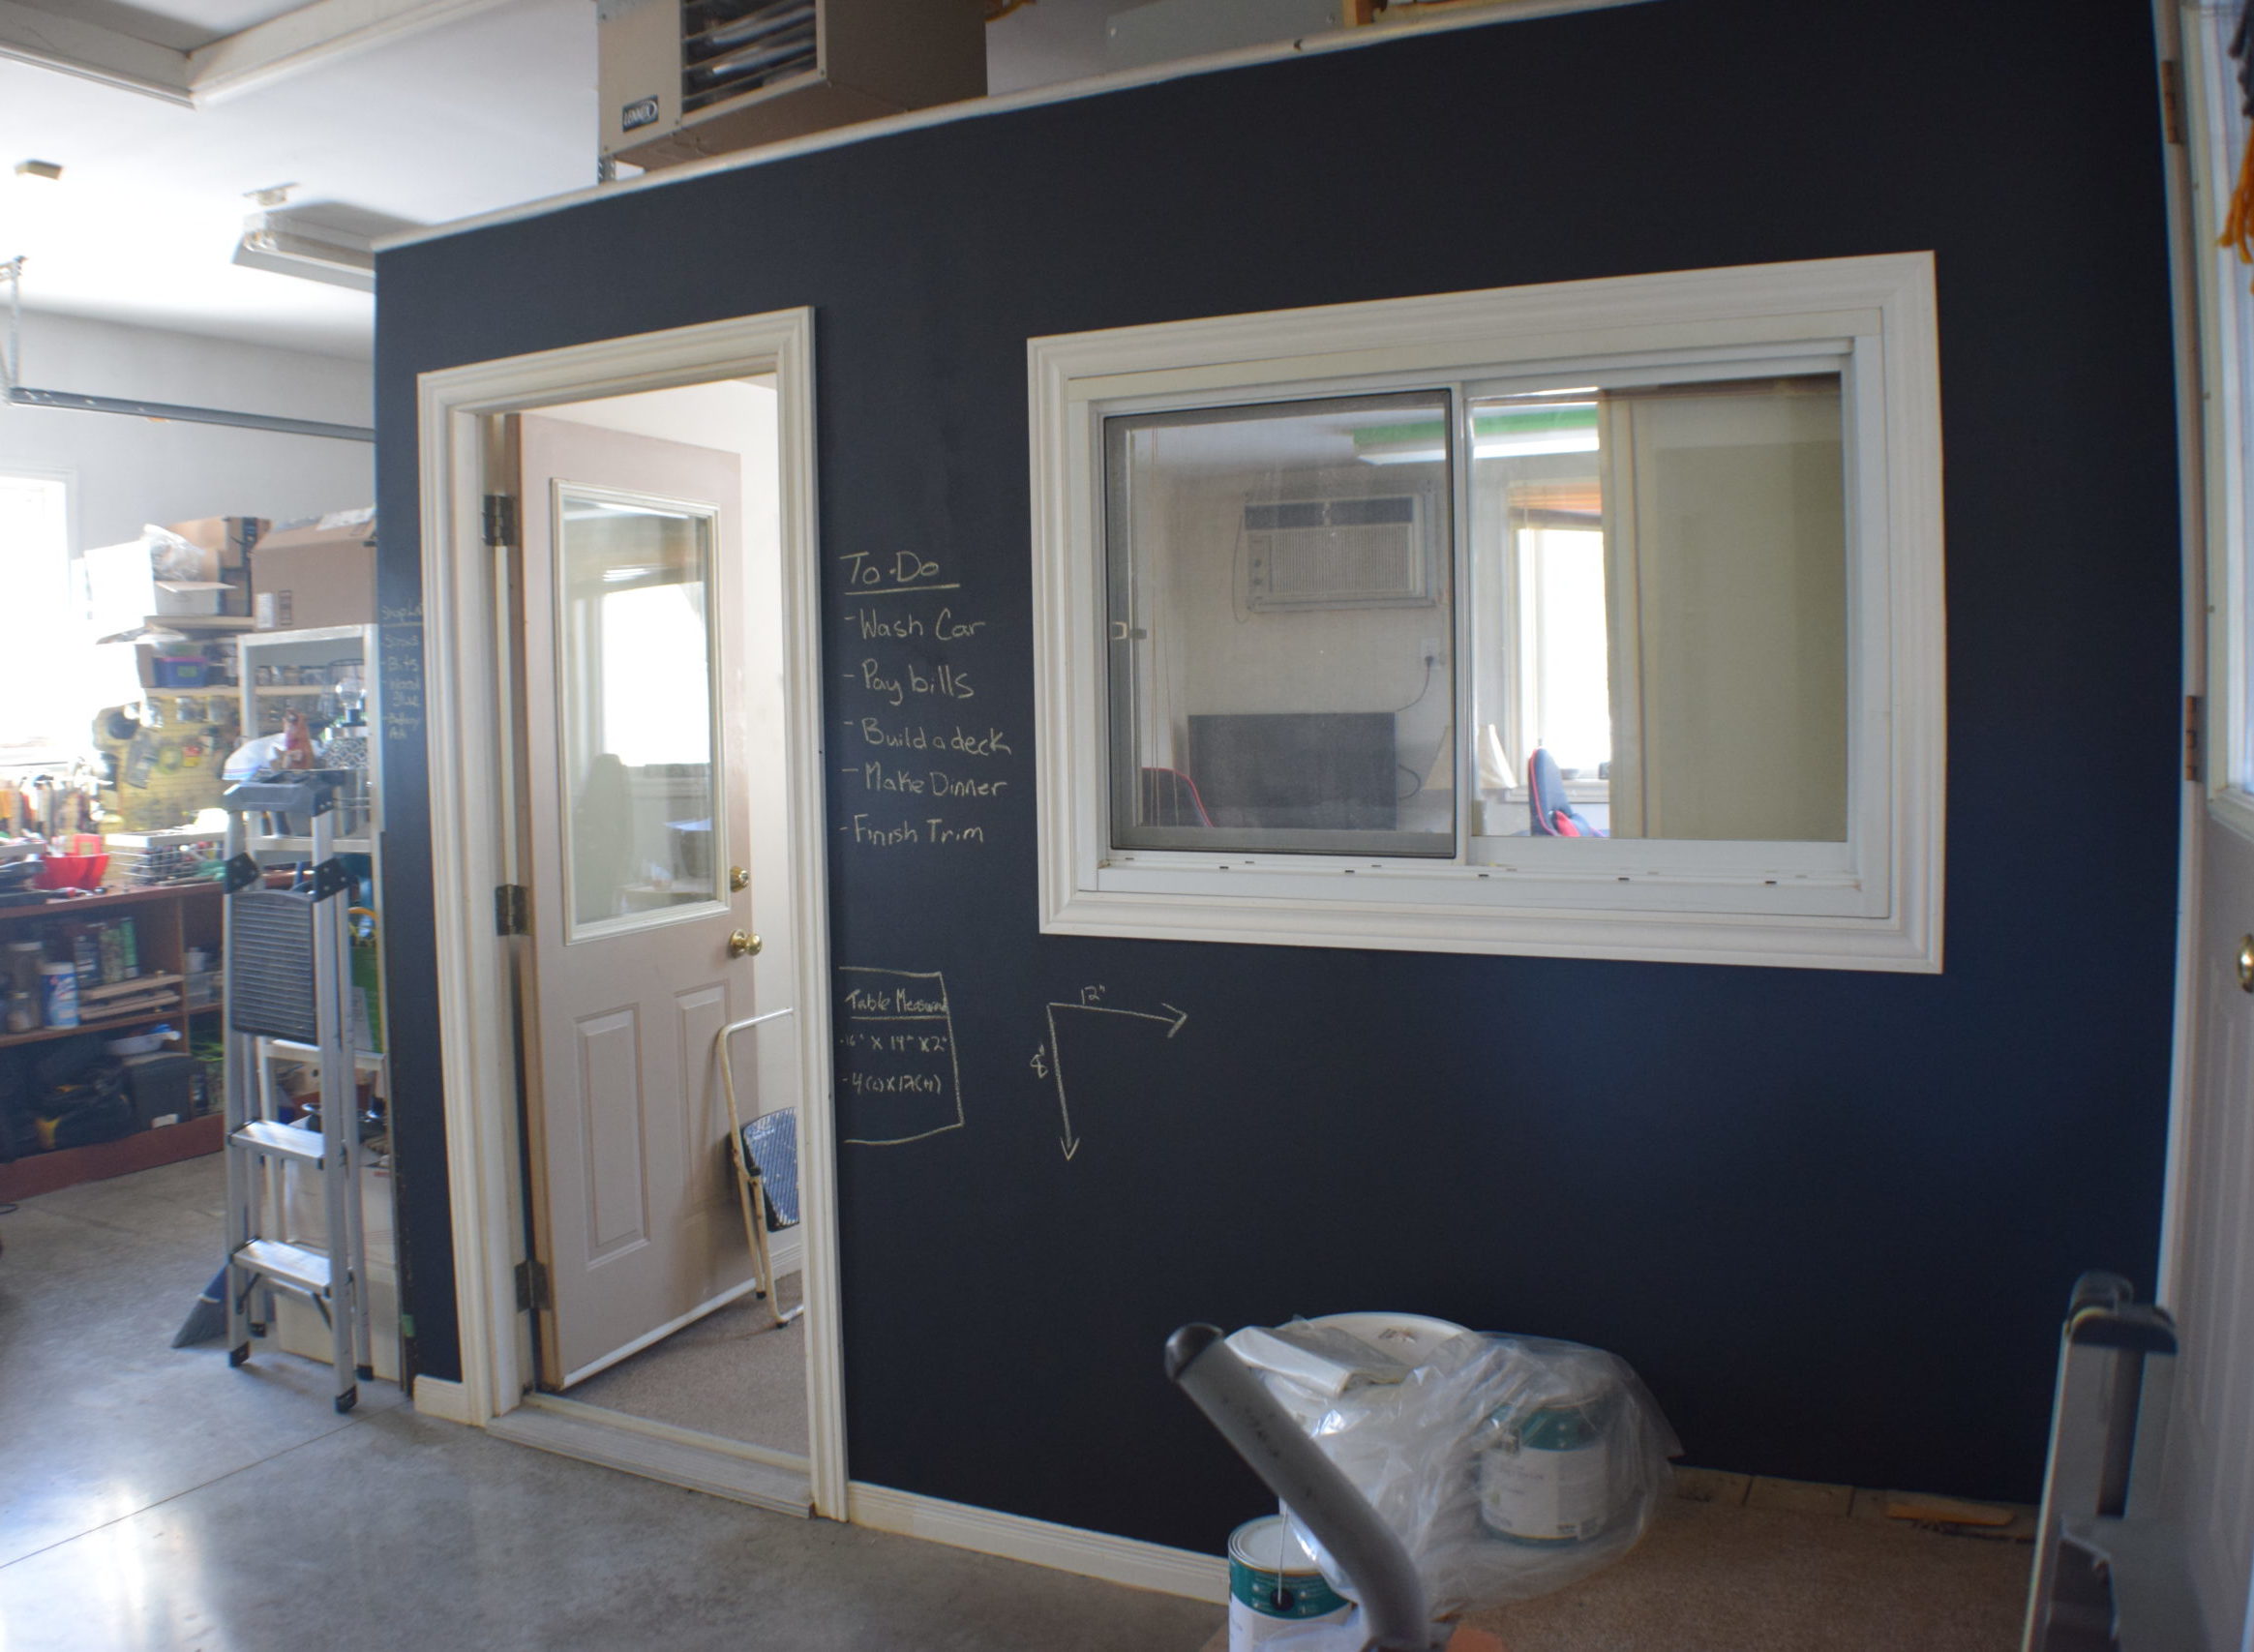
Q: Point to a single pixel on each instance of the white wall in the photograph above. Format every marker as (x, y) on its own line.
(128, 472)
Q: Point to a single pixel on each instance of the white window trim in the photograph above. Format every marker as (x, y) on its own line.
(1642, 900)
(2224, 314)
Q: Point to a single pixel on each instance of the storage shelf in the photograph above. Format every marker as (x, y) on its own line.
(103, 1023)
(119, 989)
(200, 622)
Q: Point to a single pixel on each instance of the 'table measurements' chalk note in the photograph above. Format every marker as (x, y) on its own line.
(897, 1077)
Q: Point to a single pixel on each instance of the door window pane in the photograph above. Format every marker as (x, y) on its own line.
(1279, 622)
(1664, 623)
(635, 658)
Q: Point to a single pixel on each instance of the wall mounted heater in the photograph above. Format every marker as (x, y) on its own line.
(1363, 552)
(683, 79)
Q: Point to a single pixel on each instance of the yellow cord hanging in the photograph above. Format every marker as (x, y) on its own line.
(2239, 223)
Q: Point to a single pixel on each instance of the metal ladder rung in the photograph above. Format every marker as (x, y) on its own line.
(292, 1266)
(291, 1049)
(280, 1141)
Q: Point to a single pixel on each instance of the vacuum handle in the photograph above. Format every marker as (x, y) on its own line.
(1201, 1363)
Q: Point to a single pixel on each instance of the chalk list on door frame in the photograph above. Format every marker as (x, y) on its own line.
(898, 1080)
(920, 766)
(399, 644)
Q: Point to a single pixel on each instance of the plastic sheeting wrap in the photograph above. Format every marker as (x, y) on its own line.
(1508, 1467)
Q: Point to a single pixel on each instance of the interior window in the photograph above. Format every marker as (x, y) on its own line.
(1666, 630)
(1596, 617)
(1278, 613)
(635, 658)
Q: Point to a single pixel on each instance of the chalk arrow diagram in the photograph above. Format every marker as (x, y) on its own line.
(1173, 1021)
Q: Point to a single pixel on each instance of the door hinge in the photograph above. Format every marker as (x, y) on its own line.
(2191, 737)
(500, 519)
(531, 1285)
(512, 910)
(2172, 101)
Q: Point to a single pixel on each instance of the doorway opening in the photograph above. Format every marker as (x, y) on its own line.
(649, 758)
(635, 666)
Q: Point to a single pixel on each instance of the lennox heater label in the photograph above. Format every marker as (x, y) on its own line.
(641, 112)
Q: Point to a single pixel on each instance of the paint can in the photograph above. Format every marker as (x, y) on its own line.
(1274, 1585)
(1546, 1477)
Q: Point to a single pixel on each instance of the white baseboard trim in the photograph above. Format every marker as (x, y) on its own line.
(436, 1397)
(1041, 1542)
(655, 1452)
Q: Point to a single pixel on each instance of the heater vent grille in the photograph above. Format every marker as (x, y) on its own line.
(732, 46)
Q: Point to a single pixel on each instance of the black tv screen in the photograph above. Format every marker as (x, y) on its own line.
(1296, 771)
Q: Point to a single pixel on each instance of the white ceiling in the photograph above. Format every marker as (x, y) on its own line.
(486, 111)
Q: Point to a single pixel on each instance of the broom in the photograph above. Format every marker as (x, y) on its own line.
(208, 1318)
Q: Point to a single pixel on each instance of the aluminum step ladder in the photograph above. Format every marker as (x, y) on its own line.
(2111, 1573)
(288, 973)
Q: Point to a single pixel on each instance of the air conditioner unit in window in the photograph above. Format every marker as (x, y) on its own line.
(1355, 553)
(683, 79)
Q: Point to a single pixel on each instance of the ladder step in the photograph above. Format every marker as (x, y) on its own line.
(280, 1141)
(291, 1049)
(290, 1265)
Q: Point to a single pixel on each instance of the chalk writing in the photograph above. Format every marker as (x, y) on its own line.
(875, 576)
(919, 737)
(904, 667)
(898, 1078)
(898, 834)
(1048, 1061)
(400, 679)
(871, 627)
(945, 681)
(930, 782)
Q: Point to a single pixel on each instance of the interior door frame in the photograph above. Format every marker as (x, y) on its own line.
(464, 650)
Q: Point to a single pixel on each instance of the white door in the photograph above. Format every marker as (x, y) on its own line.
(638, 782)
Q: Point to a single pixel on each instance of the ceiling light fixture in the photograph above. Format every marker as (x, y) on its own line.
(312, 251)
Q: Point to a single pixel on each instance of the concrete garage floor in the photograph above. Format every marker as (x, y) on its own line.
(154, 1500)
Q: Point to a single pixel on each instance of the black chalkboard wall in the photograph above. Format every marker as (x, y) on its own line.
(1830, 1216)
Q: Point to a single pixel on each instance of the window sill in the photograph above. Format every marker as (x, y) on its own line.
(1382, 917)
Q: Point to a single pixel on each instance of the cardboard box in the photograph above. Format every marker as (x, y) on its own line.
(221, 546)
(188, 599)
(323, 574)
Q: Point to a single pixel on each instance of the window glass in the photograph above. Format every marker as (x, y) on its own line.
(43, 629)
(1660, 643)
(635, 660)
(1280, 615)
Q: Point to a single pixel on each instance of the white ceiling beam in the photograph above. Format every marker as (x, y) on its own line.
(93, 53)
(313, 34)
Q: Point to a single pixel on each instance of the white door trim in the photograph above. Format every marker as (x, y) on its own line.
(463, 627)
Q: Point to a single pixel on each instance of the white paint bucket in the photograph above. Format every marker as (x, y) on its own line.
(1275, 1588)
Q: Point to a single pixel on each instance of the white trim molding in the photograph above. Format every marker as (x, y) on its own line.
(1042, 1543)
(436, 1397)
(295, 40)
(1872, 902)
(461, 634)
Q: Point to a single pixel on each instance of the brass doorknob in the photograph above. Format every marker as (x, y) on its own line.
(738, 878)
(744, 943)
